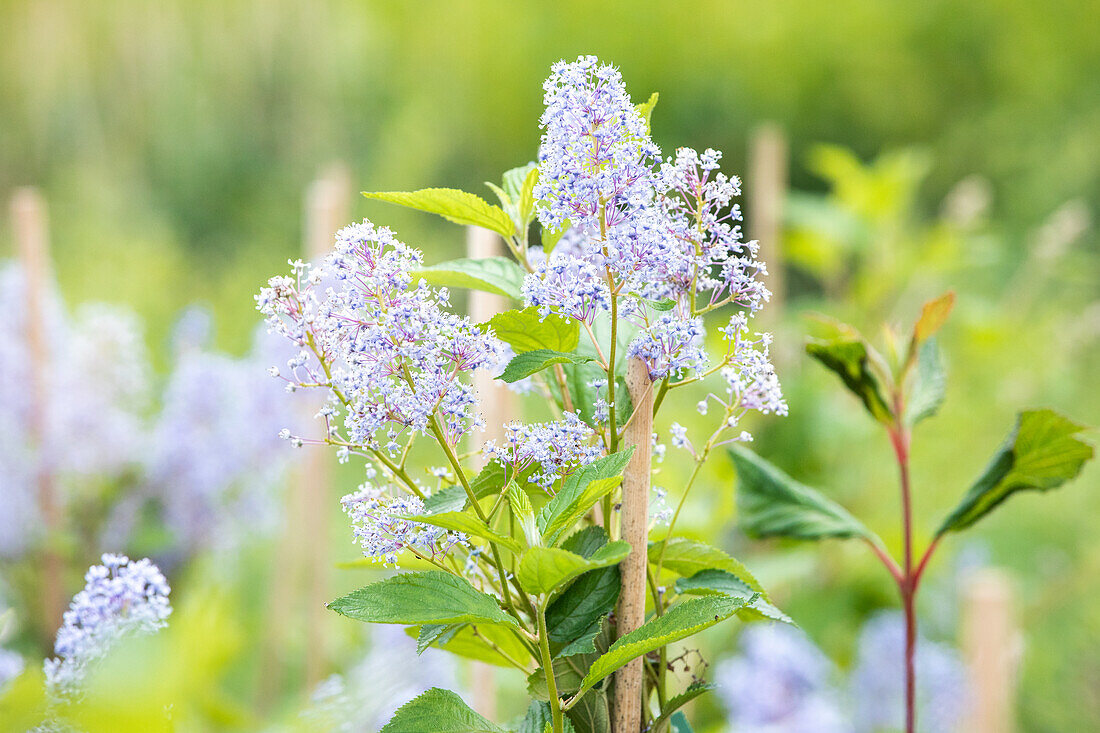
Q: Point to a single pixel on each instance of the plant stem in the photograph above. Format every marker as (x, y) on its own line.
(899, 437)
(548, 666)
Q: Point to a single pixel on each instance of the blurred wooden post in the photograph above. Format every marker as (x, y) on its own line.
(28, 212)
(767, 188)
(991, 647)
(498, 407)
(627, 713)
(326, 212)
(302, 556)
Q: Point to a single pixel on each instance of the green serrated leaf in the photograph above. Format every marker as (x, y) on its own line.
(545, 569)
(849, 359)
(453, 205)
(498, 275)
(662, 305)
(431, 633)
(713, 582)
(674, 703)
(466, 523)
(560, 516)
(537, 718)
(772, 504)
(525, 331)
(531, 362)
(928, 386)
(519, 186)
(521, 507)
(429, 597)
(686, 557)
(1041, 453)
(679, 622)
(573, 492)
(470, 643)
(439, 711)
(574, 617)
(591, 713)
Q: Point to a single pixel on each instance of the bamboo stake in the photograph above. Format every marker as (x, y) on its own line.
(32, 239)
(498, 407)
(767, 191)
(635, 524)
(991, 646)
(302, 557)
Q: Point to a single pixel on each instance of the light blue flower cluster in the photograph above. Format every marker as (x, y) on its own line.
(86, 422)
(380, 528)
(216, 460)
(558, 448)
(644, 232)
(877, 682)
(389, 675)
(782, 683)
(391, 355)
(120, 598)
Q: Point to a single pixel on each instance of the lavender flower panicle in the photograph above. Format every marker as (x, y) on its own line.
(120, 598)
(382, 532)
(389, 355)
(558, 448)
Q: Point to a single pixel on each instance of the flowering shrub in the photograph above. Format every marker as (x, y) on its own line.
(522, 563)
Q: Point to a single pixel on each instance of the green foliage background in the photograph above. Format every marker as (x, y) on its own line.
(174, 141)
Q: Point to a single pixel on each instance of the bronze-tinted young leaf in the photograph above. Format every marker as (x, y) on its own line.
(440, 711)
(453, 205)
(1041, 453)
(849, 359)
(932, 317)
(772, 504)
(498, 275)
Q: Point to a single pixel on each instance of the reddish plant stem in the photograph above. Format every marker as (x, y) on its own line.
(899, 437)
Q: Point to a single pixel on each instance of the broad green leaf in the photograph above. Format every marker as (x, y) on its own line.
(469, 643)
(591, 713)
(674, 703)
(439, 711)
(453, 205)
(519, 186)
(551, 238)
(772, 504)
(678, 723)
(525, 331)
(687, 557)
(928, 384)
(1041, 453)
(432, 633)
(679, 622)
(849, 359)
(645, 109)
(429, 597)
(932, 317)
(537, 718)
(662, 305)
(530, 362)
(575, 615)
(561, 516)
(466, 523)
(498, 275)
(712, 582)
(544, 569)
(575, 490)
(525, 513)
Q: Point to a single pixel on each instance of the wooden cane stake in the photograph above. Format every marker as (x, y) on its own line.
(31, 235)
(498, 407)
(991, 645)
(635, 525)
(767, 191)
